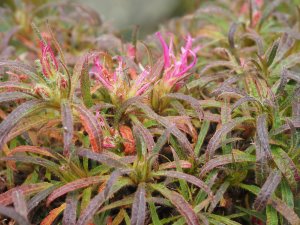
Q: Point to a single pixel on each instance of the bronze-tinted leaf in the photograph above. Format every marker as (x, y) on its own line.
(92, 127)
(35, 200)
(53, 214)
(289, 214)
(21, 68)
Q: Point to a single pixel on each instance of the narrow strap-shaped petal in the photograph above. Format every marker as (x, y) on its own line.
(165, 50)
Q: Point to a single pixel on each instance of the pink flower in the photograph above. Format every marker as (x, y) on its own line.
(116, 81)
(175, 69)
(48, 60)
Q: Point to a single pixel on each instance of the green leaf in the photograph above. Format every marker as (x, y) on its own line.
(272, 218)
(154, 215)
(85, 85)
(286, 165)
(201, 136)
(273, 53)
(178, 201)
(67, 121)
(218, 195)
(222, 219)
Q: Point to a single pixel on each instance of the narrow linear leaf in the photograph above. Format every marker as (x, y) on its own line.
(49, 219)
(106, 158)
(138, 212)
(192, 101)
(85, 85)
(67, 121)
(11, 213)
(14, 117)
(189, 178)
(262, 134)
(201, 136)
(20, 203)
(98, 201)
(13, 96)
(39, 197)
(92, 127)
(69, 217)
(273, 53)
(74, 185)
(218, 195)
(27, 189)
(217, 137)
(179, 202)
(267, 190)
(235, 157)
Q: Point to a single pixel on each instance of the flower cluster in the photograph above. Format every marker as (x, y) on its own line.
(175, 70)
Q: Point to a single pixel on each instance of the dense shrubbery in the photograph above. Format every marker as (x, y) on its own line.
(196, 124)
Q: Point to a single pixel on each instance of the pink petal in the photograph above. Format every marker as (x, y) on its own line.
(192, 64)
(165, 50)
(143, 89)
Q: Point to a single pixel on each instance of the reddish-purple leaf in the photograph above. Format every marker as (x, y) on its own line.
(13, 96)
(20, 203)
(182, 139)
(69, 217)
(11, 213)
(262, 134)
(27, 189)
(147, 136)
(106, 158)
(189, 178)
(235, 157)
(215, 141)
(192, 101)
(92, 127)
(288, 213)
(14, 117)
(267, 190)
(138, 212)
(184, 208)
(74, 185)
